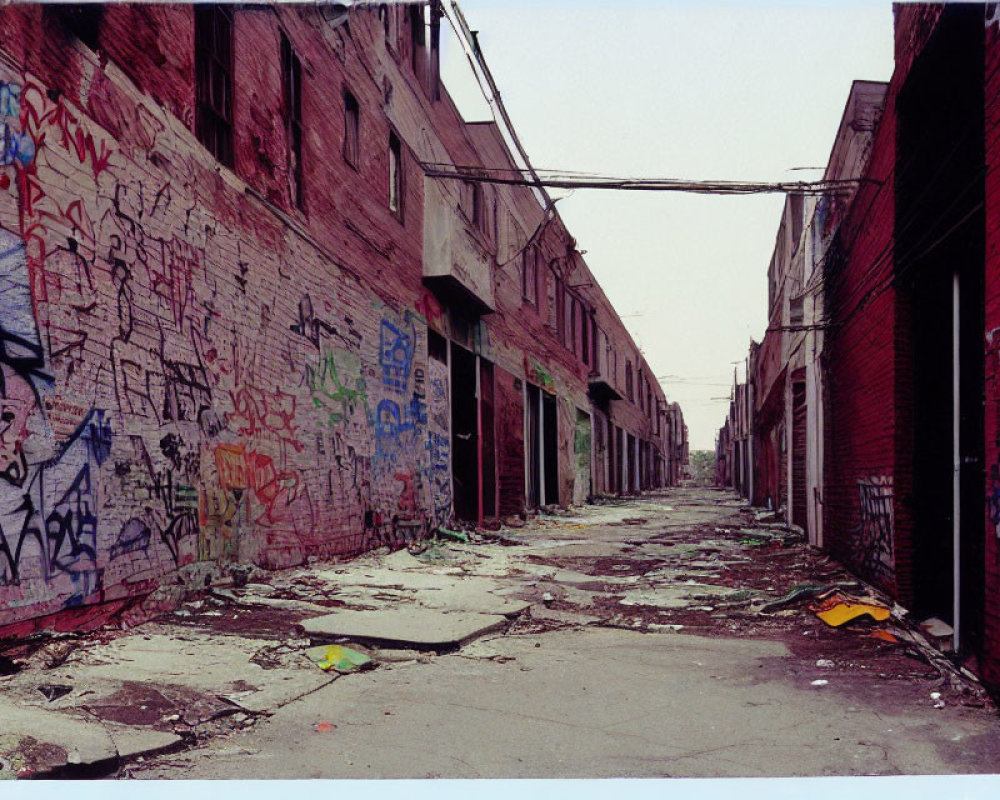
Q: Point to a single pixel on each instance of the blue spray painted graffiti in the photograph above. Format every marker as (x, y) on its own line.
(17, 146)
(395, 356)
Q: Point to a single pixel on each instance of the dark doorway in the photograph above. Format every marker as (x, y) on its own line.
(799, 513)
(630, 476)
(550, 443)
(487, 428)
(614, 486)
(939, 256)
(464, 433)
(534, 449)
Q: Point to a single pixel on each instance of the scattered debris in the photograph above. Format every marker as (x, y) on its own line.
(825, 663)
(819, 682)
(240, 573)
(53, 691)
(937, 628)
(796, 595)
(338, 658)
(324, 727)
(458, 536)
(938, 700)
(837, 608)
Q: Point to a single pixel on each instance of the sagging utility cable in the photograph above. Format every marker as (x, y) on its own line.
(577, 180)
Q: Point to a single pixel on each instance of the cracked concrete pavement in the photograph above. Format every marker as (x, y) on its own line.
(633, 638)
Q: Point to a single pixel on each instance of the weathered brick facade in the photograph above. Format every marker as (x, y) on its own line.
(910, 355)
(204, 365)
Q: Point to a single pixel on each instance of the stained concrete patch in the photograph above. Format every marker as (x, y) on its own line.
(416, 627)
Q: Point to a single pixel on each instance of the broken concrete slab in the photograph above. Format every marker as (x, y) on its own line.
(416, 627)
(211, 665)
(132, 742)
(40, 741)
(540, 612)
(68, 739)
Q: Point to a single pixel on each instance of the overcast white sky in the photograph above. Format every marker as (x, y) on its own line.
(702, 90)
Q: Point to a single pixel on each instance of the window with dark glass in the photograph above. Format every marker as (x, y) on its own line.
(83, 20)
(480, 213)
(213, 26)
(291, 80)
(352, 128)
(585, 339)
(395, 175)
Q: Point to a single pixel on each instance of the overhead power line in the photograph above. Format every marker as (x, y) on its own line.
(581, 180)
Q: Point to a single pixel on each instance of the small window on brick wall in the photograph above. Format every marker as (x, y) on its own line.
(213, 25)
(352, 130)
(291, 79)
(395, 175)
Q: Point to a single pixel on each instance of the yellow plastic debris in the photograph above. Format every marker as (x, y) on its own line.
(843, 613)
(336, 657)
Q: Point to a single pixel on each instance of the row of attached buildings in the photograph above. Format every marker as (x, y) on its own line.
(870, 413)
(241, 322)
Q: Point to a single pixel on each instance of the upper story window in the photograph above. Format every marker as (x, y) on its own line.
(352, 128)
(573, 316)
(213, 38)
(529, 275)
(560, 311)
(83, 20)
(395, 175)
(418, 39)
(291, 81)
(629, 391)
(478, 205)
(585, 337)
(390, 25)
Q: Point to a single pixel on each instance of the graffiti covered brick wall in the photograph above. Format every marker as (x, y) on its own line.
(184, 381)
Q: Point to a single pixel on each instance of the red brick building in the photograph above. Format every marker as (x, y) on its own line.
(911, 306)
(240, 323)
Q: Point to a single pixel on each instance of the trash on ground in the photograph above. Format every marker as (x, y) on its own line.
(53, 691)
(838, 608)
(337, 657)
(938, 701)
(825, 663)
(324, 727)
(884, 636)
(458, 536)
(937, 628)
(796, 595)
(819, 682)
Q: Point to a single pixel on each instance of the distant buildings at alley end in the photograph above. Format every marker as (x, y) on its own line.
(239, 323)
(870, 413)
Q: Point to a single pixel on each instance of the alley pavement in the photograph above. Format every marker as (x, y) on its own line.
(675, 634)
